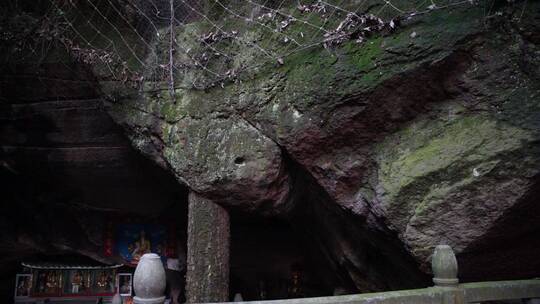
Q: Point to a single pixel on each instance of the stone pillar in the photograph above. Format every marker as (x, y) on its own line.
(149, 280)
(207, 278)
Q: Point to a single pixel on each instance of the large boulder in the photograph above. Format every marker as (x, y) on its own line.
(432, 129)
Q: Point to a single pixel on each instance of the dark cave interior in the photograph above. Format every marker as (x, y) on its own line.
(57, 216)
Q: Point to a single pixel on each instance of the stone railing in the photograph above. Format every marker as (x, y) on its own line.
(447, 289)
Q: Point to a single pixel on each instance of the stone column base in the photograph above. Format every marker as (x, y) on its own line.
(159, 300)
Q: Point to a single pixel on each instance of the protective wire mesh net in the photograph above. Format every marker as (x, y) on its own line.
(200, 44)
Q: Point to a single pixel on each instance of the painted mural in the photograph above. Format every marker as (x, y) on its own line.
(134, 240)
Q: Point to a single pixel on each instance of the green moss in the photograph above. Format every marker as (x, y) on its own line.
(464, 138)
(364, 56)
(170, 112)
(429, 160)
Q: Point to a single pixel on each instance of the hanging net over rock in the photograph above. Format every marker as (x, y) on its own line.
(200, 44)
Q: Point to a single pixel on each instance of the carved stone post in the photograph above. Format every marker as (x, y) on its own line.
(149, 280)
(207, 277)
(445, 270)
(444, 266)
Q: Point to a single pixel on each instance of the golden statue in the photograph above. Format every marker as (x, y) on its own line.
(103, 281)
(76, 282)
(295, 289)
(142, 246)
(51, 282)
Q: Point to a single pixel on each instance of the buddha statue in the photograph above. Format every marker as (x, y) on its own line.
(142, 246)
(295, 287)
(76, 282)
(103, 281)
(51, 283)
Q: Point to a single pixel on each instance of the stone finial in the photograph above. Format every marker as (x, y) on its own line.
(444, 266)
(149, 280)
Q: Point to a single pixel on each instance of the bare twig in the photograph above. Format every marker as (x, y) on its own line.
(171, 53)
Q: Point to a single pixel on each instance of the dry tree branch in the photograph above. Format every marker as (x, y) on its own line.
(171, 53)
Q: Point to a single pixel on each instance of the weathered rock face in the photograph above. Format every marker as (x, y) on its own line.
(418, 139)
(374, 152)
(213, 151)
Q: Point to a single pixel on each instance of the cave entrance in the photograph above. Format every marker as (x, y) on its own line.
(270, 260)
